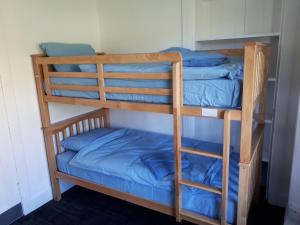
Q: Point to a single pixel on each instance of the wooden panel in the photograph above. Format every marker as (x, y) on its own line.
(117, 194)
(249, 172)
(145, 91)
(139, 76)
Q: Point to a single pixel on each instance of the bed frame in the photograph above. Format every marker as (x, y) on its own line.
(255, 76)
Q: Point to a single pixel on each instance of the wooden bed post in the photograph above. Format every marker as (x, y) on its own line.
(46, 123)
(177, 103)
(255, 79)
(247, 106)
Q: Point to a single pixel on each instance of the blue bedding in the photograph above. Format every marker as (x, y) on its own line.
(115, 161)
(217, 86)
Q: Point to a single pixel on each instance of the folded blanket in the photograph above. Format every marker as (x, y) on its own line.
(162, 164)
(199, 59)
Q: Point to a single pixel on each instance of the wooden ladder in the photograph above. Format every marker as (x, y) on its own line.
(177, 84)
(179, 181)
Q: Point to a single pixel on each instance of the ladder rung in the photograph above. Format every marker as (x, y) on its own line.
(198, 219)
(201, 152)
(201, 186)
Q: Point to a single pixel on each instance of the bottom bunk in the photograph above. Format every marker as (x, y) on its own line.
(141, 164)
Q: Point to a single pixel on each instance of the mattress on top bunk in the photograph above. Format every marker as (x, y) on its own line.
(116, 160)
(216, 86)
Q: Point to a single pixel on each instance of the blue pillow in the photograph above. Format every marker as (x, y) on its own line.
(199, 59)
(62, 49)
(77, 142)
(162, 164)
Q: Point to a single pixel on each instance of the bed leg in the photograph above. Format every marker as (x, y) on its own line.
(257, 190)
(56, 189)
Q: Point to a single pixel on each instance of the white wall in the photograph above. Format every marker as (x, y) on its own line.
(293, 212)
(8, 173)
(140, 25)
(286, 108)
(23, 25)
(133, 26)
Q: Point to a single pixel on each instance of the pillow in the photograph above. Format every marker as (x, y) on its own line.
(62, 49)
(77, 142)
(162, 164)
(198, 59)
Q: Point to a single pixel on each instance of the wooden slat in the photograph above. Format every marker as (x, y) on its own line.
(71, 130)
(84, 126)
(200, 152)
(47, 80)
(58, 145)
(113, 58)
(78, 128)
(106, 118)
(145, 91)
(73, 75)
(198, 219)
(74, 87)
(200, 186)
(101, 82)
(139, 76)
(90, 124)
(64, 133)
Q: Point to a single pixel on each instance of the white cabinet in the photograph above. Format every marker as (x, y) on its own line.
(223, 19)
(219, 18)
(259, 17)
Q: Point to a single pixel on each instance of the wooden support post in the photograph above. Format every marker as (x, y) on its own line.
(225, 167)
(45, 116)
(177, 103)
(106, 117)
(248, 103)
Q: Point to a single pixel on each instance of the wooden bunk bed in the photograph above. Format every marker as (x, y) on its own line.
(255, 76)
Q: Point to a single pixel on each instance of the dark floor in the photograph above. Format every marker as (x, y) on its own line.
(84, 207)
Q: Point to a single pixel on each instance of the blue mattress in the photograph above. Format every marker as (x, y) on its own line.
(217, 86)
(114, 161)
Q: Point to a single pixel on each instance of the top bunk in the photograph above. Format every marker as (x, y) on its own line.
(153, 82)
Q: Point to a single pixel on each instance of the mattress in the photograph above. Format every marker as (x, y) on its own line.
(217, 86)
(119, 168)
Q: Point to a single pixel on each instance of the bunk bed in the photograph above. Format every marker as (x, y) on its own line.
(247, 176)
